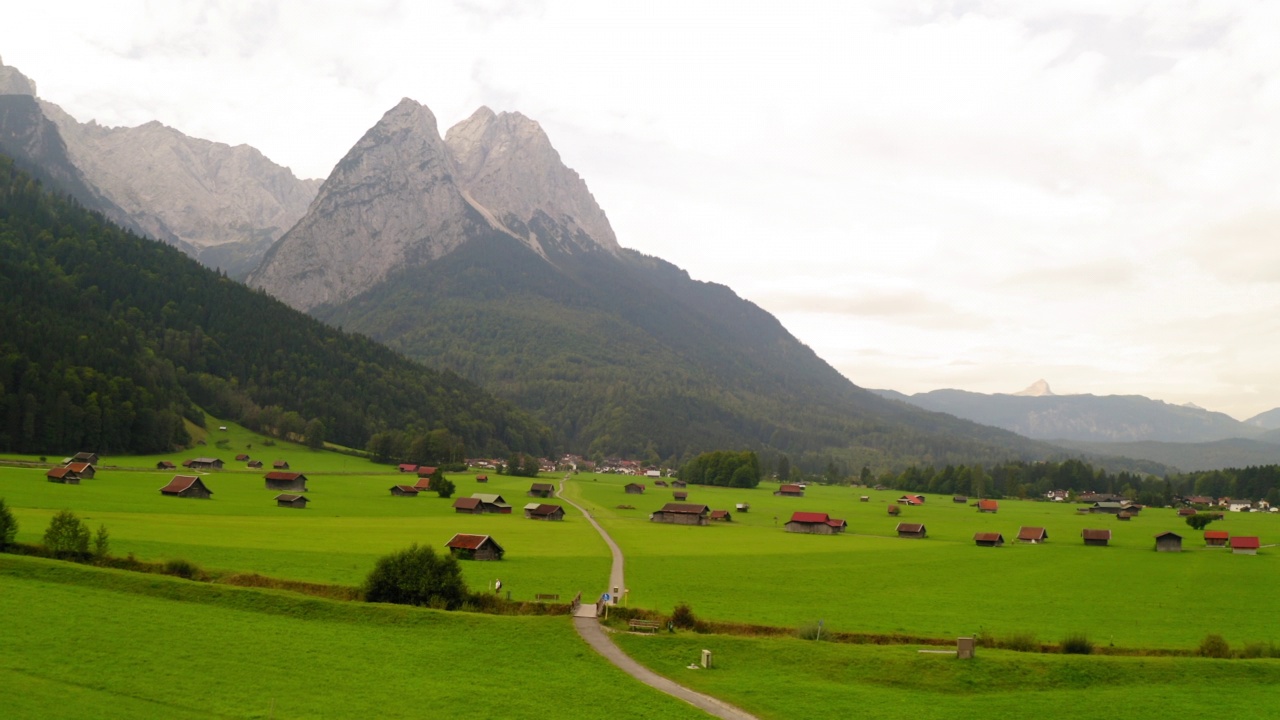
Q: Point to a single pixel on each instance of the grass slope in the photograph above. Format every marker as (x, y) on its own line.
(107, 644)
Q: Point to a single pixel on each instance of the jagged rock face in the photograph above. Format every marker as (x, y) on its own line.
(403, 196)
(390, 203)
(506, 162)
(13, 82)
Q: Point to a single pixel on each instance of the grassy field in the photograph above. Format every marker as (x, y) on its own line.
(868, 580)
(108, 644)
(792, 678)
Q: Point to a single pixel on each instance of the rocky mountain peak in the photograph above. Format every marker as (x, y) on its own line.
(13, 82)
(1039, 388)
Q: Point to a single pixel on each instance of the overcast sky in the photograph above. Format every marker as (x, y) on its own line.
(954, 194)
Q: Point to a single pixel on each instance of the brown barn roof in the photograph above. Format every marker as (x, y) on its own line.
(462, 541)
(280, 475)
(79, 467)
(544, 509)
(717, 514)
(424, 470)
(988, 505)
(60, 472)
(1088, 534)
(910, 527)
(179, 483)
(290, 498)
(242, 457)
(1168, 534)
(467, 503)
(407, 489)
(809, 517)
(1032, 533)
(685, 508)
(423, 483)
(790, 488)
(407, 467)
(543, 487)
(988, 537)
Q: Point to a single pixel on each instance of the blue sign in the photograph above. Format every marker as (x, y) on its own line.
(605, 597)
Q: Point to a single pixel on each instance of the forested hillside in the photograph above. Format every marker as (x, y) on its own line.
(109, 339)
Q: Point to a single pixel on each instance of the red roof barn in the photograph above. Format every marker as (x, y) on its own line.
(988, 539)
(404, 491)
(988, 506)
(475, 547)
(279, 480)
(63, 475)
(1245, 545)
(915, 531)
(1033, 535)
(814, 523)
(1096, 537)
(789, 491)
(188, 486)
(1216, 538)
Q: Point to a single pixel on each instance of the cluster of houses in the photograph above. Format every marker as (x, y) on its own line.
(80, 466)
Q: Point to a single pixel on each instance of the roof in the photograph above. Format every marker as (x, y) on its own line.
(685, 508)
(716, 514)
(836, 522)
(1088, 534)
(790, 488)
(910, 527)
(292, 498)
(1031, 533)
(79, 467)
(634, 485)
(988, 537)
(809, 517)
(988, 505)
(180, 483)
(543, 486)
(278, 475)
(425, 470)
(405, 488)
(532, 506)
(1216, 534)
(1245, 542)
(489, 499)
(407, 467)
(545, 509)
(1108, 504)
(467, 503)
(1168, 534)
(242, 456)
(59, 472)
(462, 541)
(204, 461)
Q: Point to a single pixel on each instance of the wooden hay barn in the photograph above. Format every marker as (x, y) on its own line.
(203, 464)
(1186, 512)
(988, 539)
(680, 495)
(1096, 537)
(290, 481)
(86, 457)
(85, 470)
(242, 458)
(894, 510)
(423, 484)
(407, 467)
(682, 514)
(1245, 545)
(813, 523)
(960, 499)
(292, 501)
(280, 465)
(468, 506)
(1033, 535)
(404, 491)
(255, 464)
(864, 498)
(659, 483)
(64, 475)
(482, 478)
(679, 484)
(165, 465)
(1168, 542)
(1216, 538)
(721, 516)
(1113, 508)
(543, 511)
(988, 506)
(743, 507)
(541, 490)
(914, 531)
(1125, 516)
(425, 471)
(634, 489)
(789, 491)
(475, 547)
(492, 503)
(187, 486)
(911, 500)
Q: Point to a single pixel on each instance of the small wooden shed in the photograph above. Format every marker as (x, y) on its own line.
(1216, 538)
(425, 471)
(87, 457)
(789, 490)
(290, 481)
(292, 501)
(64, 475)
(203, 463)
(988, 539)
(960, 499)
(255, 464)
(682, 514)
(814, 523)
(1186, 512)
(404, 491)
(492, 503)
(1032, 535)
(423, 484)
(1168, 542)
(1124, 516)
(475, 547)
(407, 467)
(864, 498)
(679, 484)
(242, 457)
(85, 470)
(1245, 545)
(894, 510)
(543, 511)
(187, 486)
(1095, 537)
(988, 506)
(721, 516)
(165, 465)
(541, 490)
(914, 531)
(680, 494)
(280, 465)
(743, 507)
(634, 489)
(468, 506)
(482, 478)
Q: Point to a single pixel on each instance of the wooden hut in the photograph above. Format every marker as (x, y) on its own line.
(242, 457)
(1096, 537)
(407, 467)
(290, 481)
(1168, 542)
(789, 490)
(914, 531)
(1125, 516)
(864, 498)
(1110, 507)
(682, 514)
(165, 465)
(292, 501)
(911, 500)
(960, 499)
(85, 470)
(988, 539)
(64, 475)
(721, 516)
(203, 463)
(475, 547)
(1216, 538)
(280, 465)
(255, 464)
(1186, 512)
(659, 483)
(423, 484)
(541, 490)
(634, 489)
(492, 503)
(425, 471)
(894, 510)
(187, 486)
(1245, 545)
(679, 494)
(813, 523)
(743, 507)
(86, 457)
(679, 484)
(543, 511)
(1032, 535)
(404, 491)
(988, 506)
(468, 506)
(482, 478)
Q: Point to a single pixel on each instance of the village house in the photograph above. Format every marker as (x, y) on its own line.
(1239, 506)
(492, 503)
(914, 531)
(634, 489)
(1057, 495)
(1096, 537)
(290, 481)
(1168, 542)
(1199, 500)
(682, 514)
(280, 465)
(64, 475)
(543, 511)
(475, 547)
(468, 506)
(814, 523)
(1244, 545)
(404, 491)
(203, 463)
(1216, 538)
(541, 490)
(721, 516)
(1032, 535)
(187, 486)
(85, 457)
(292, 501)
(789, 490)
(988, 506)
(988, 539)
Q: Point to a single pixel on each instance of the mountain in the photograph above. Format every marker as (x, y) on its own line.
(1039, 388)
(1190, 457)
(223, 205)
(110, 339)
(1085, 418)
(481, 252)
(1269, 420)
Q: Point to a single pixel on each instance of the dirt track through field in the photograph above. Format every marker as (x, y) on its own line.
(588, 626)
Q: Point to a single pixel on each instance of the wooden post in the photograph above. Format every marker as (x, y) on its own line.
(964, 648)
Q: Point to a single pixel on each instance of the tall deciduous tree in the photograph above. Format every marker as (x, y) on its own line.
(67, 535)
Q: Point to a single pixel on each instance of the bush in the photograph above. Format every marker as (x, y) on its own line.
(682, 617)
(1259, 650)
(66, 536)
(8, 526)
(1077, 644)
(443, 486)
(182, 568)
(101, 543)
(1214, 646)
(1021, 642)
(417, 576)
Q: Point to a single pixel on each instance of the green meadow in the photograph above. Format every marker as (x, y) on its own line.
(868, 580)
(86, 642)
